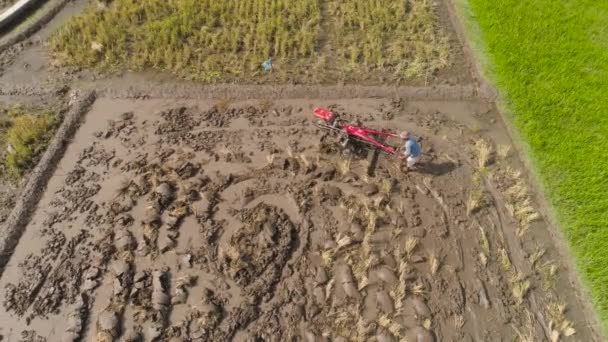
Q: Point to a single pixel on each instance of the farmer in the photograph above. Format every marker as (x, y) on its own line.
(411, 150)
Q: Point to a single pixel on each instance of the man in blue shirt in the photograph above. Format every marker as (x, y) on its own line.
(411, 150)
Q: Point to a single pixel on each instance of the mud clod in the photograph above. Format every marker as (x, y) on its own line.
(385, 302)
(107, 325)
(419, 334)
(420, 307)
(370, 189)
(75, 321)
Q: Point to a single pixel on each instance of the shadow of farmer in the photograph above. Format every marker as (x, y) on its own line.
(436, 169)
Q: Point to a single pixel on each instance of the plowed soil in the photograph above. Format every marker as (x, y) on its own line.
(177, 220)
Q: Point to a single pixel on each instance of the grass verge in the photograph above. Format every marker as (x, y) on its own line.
(549, 59)
(209, 40)
(23, 137)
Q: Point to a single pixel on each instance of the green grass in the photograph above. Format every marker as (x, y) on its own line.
(210, 40)
(23, 137)
(549, 59)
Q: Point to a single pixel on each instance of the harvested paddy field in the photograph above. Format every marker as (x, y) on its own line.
(309, 42)
(242, 221)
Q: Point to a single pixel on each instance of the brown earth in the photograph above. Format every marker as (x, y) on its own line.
(200, 220)
(222, 213)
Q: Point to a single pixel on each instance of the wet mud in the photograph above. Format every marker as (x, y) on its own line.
(177, 220)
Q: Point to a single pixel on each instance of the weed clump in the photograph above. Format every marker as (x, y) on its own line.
(518, 200)
(24, 137)
(477, 198)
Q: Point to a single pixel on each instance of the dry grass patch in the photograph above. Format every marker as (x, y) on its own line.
(520, 287)
(518, 199)
(196, 39)
(410, 246)
(344, 166)
(402, 37)
(434, 263)
(505, 261)
(559, 325)
(477, 196)
(503, 151)
(483, 151)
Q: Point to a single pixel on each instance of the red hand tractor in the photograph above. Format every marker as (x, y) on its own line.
(329, 120)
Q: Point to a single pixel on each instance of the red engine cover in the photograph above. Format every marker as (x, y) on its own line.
(325, 114)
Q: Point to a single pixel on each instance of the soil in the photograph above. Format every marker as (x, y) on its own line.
(198, 220)
(188, 213)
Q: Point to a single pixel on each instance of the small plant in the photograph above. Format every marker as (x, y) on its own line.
(520, 287)
(343, 241)
(483, 258)
(328, 256)
(476, 199)
(344, 166)
(305, 160)
(505, 261)
(395, 328)
(386, 186)
(459, 321)
(418, 290)
(484, 153)
(123, 188)
(364, 329)
(270, 158)
(483, 239)
(400, 291)
(538, 253)
(289, 152)
(503, 151)
(518, 201)
(528, 335)
(558, 324)
(401, 208)
(410, 245)
(26, 139)
(548, 272)
(434, 263)
(372, 219)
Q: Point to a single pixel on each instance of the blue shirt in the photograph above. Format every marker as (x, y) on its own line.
(412, 148)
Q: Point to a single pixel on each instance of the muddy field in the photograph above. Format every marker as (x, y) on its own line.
(177, 220)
